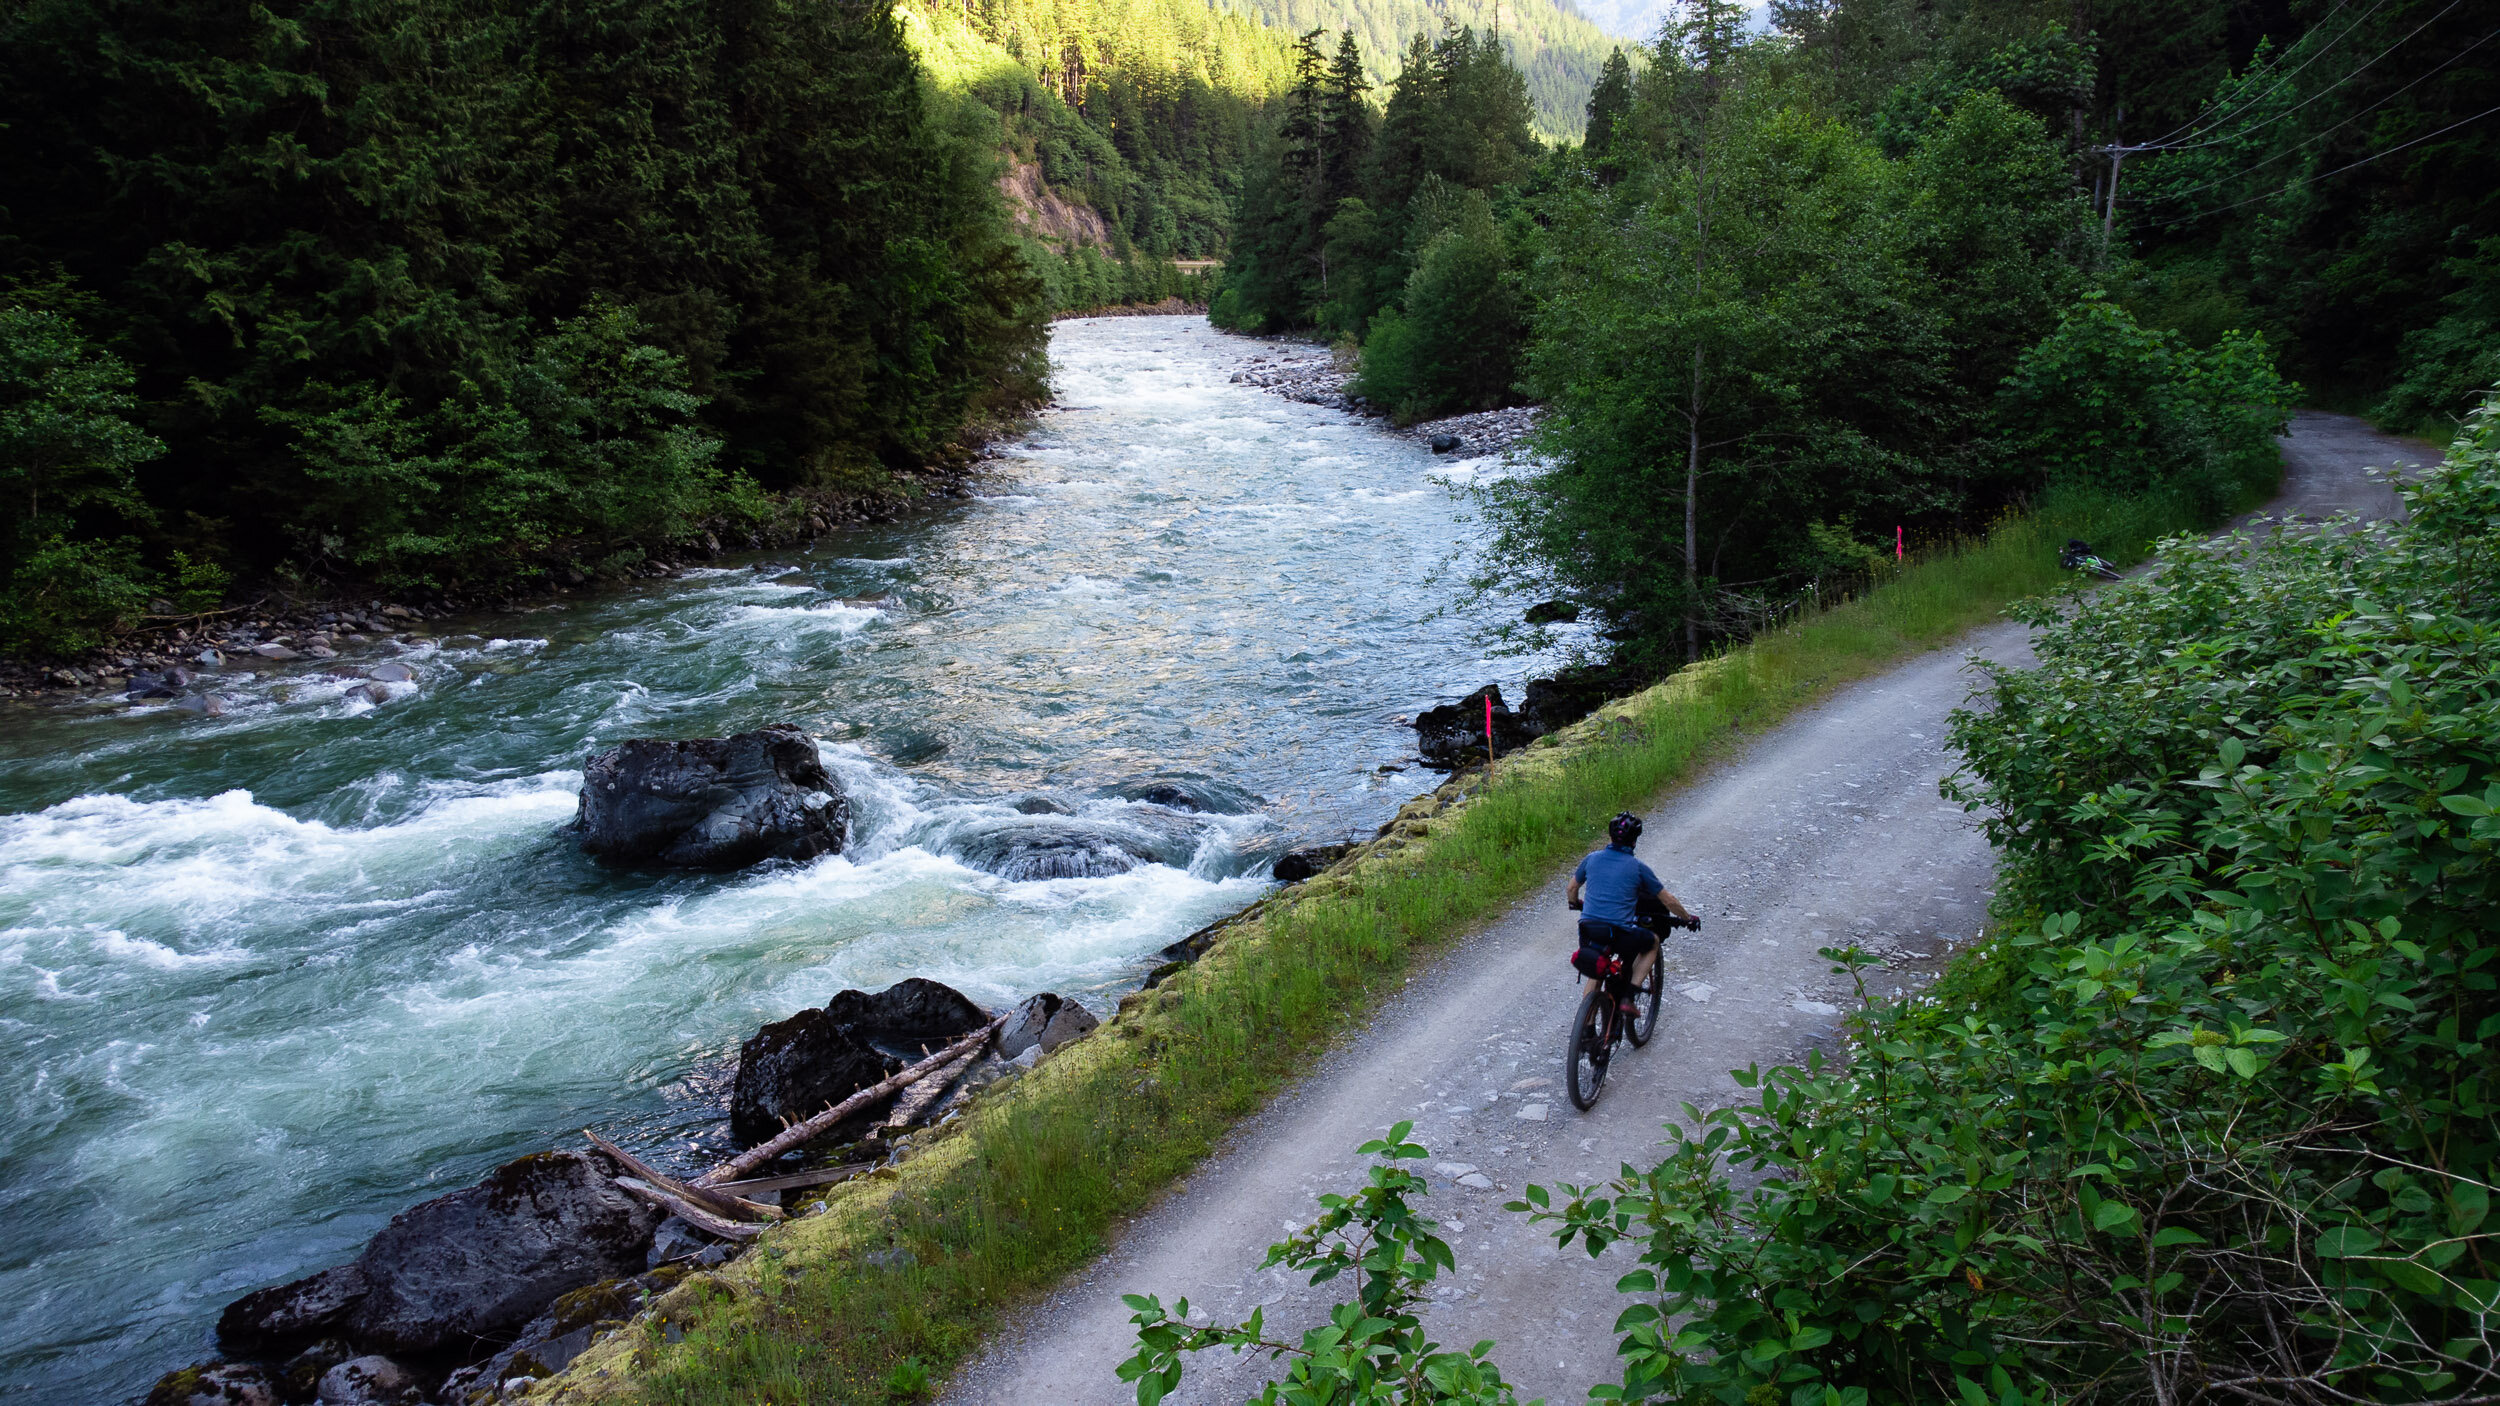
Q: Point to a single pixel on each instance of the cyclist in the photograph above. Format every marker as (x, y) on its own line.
(1610, 888)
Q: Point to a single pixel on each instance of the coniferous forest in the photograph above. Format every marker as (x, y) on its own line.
(431, 296)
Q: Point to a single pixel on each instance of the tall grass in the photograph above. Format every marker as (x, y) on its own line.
(1026, 1187)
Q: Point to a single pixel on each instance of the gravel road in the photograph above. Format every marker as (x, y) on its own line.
(1826, 829)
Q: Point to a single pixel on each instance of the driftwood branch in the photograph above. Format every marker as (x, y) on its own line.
(909, 1108)
(726, 1206)
(688, 1211)
(822, 1176)
(801, 1133)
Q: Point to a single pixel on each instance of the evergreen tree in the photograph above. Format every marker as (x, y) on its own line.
(1609, 102)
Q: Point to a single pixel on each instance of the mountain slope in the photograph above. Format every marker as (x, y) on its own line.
(1559, 50)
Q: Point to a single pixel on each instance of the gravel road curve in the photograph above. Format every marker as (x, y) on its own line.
(1826, 829)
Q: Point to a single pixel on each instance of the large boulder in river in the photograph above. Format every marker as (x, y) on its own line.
(712, 803)
(278, 1320)
(796, 1068)
(461, 1270)
(478, 1264)
(1451, 736)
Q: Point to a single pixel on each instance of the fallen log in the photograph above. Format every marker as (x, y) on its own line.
(913, 1105)
(822, 1176)
(801, 1133)
(687, 1211)
(729, 1207)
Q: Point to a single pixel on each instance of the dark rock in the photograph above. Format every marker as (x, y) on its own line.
(908, 1015)
(275, 1321)
(1024, 1028)
(481, 1262)
(1445, 444)
(303, 1372)
(369, 1381)
(553, 1339)
(1300, 864)
(1552, 612)
(1053, 848)
(712, 803)
(1194, 794)
(1452, 735)
(674, 1240)
(1043, 805)
(1044, 1023)
(179, 676)
(370, 692)
(1070, 1022)
(795, 1068)
(1568, 697)
(217, 1384)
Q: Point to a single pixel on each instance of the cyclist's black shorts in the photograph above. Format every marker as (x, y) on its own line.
(1626, 942)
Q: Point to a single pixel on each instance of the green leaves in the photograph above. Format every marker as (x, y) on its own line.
(2226, 1060)
(1372, 1349)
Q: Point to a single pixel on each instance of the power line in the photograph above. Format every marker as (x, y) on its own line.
(2328, 132)
(2364, 161)
(2200, 123)
(2329, 88)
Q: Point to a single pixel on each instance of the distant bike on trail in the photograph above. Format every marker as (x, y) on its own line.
(2079, 556)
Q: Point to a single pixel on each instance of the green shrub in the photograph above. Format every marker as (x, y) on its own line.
(2106, 401)
(68, 577)
(2214, 1116)
(592, 436)
(1372, 1351)
(1454, 345)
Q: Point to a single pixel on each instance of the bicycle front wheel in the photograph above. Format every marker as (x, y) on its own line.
(1584, 1057)
(1651, 992)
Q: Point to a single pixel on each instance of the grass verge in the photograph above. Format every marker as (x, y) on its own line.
(893, 1283)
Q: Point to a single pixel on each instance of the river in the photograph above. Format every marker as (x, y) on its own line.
(267, 979)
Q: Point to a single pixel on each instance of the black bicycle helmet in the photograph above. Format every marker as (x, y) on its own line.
(1624, 829)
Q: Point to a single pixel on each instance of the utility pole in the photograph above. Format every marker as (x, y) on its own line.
(2109, 206)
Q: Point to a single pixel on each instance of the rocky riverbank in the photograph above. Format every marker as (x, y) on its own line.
(321, 623)
(472, 1297)
(1315, 375)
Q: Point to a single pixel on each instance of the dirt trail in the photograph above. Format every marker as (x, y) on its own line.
(1827, 829)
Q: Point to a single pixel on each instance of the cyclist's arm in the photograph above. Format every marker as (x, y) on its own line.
(1674, 904)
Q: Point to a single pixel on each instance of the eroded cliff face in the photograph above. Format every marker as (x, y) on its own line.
(1046, 214)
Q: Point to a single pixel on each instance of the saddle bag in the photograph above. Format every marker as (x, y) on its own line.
(1593, 960)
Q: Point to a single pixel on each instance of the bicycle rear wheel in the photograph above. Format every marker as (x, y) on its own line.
(1645, 1022)
(1584, 1056)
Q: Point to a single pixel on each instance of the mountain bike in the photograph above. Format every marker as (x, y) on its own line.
(1600, 1026)
(2079, 556)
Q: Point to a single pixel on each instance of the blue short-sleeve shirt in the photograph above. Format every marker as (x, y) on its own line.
(1612, 882)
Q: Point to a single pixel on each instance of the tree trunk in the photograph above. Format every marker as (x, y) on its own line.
(1692, 517)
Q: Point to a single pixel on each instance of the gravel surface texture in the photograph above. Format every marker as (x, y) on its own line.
(1826, 829)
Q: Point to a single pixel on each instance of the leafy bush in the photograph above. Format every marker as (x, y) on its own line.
(2451, 363)
(1373, 1348)
(67, 452)
(1455, 345)
(2107, 401)
(2214, 1117)
(591, 437)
